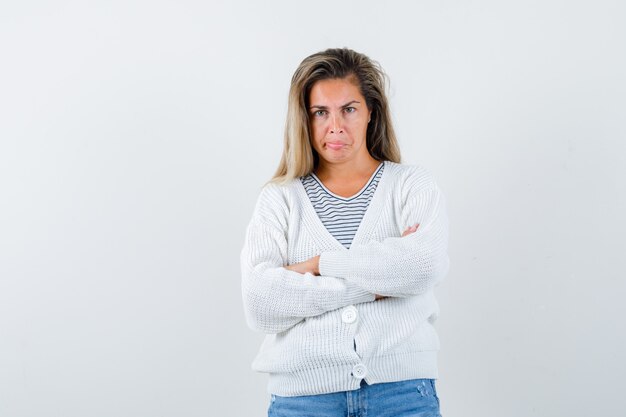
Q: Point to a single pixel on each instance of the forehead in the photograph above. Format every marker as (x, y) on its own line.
(335, 91)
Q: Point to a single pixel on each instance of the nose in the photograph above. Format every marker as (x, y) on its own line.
(336, 125)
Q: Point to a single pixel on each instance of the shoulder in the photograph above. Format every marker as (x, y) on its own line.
(274, 202)
(411, 177)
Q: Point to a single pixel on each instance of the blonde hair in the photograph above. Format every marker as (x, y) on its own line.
(299, 158)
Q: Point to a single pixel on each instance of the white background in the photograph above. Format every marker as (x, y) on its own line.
(135, 136)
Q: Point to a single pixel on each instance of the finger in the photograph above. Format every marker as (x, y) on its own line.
(410, 229)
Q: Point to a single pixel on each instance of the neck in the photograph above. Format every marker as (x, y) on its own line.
(346, 170)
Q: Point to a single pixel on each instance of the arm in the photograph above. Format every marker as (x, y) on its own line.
(400, 266)
(275, 298)
(312, 265)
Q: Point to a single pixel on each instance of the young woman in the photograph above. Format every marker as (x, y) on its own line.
(342, 253)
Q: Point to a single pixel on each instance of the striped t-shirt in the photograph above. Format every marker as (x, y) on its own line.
(341, 215)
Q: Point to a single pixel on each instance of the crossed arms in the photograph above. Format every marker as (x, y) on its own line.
(277, 296)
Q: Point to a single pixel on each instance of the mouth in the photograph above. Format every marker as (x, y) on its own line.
(335, 145)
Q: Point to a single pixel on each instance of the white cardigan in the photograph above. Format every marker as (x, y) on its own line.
(326, 333)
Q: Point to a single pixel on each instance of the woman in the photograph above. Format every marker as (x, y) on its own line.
(342, 254)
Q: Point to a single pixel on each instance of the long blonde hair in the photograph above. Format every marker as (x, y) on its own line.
(299, 158)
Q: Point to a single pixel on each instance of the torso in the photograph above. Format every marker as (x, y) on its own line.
(341, 214)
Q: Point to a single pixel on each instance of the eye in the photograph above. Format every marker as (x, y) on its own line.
(319, 113)
(350, 109)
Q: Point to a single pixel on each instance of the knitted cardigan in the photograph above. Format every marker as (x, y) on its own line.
(326, 333)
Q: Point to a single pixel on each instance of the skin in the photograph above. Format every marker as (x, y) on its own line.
(338, 122)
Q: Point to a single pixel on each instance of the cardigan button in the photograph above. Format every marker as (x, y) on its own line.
(349, 314)
(359, 371)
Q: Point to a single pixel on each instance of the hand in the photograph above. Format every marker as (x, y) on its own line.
(408, 231)
(311, 266)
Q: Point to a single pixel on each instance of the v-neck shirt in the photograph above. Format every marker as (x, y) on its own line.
(341, 215)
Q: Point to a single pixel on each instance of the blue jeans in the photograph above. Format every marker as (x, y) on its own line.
(410, 398)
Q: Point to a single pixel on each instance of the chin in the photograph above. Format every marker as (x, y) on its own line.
(342, 158)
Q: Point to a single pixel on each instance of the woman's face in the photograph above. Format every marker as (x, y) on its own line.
(338, 116)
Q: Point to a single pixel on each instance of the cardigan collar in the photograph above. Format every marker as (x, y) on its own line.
(312, 221)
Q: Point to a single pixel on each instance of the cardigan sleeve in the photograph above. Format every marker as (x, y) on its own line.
(400, 266)
(275, 298)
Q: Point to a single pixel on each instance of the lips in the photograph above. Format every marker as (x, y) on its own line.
(335, 145)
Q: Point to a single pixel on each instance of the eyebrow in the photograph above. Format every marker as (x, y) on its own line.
(325, 107)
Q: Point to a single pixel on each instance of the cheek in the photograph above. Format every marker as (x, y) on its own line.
(317, 131)
(358, 126)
